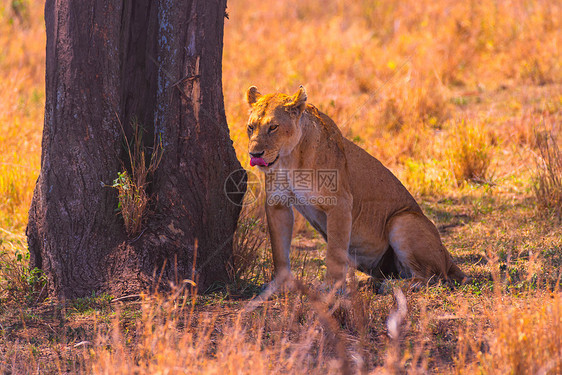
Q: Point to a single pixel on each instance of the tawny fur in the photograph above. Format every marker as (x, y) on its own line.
(375, 224)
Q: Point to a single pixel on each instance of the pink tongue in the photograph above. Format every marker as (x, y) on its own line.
(257, 161)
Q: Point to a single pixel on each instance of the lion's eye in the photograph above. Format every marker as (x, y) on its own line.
(250, 128)
(272, 128)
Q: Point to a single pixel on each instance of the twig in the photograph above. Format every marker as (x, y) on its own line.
(186, 78)
(51, 328)
(126, 139)
(131, 296)
(82, 343)
(40, 293)
(139, 236)
(170, 78)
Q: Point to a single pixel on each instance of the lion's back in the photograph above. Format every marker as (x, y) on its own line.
(371, 181)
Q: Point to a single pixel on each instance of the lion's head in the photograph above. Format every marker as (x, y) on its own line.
(273, 126)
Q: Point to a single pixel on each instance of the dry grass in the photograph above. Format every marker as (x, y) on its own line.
(22, 66)
(132, 186)
(470, 152)
(548, 178)
(445, 93)
(172, 336)
(18, 283)
(248, 264)
(527, 339)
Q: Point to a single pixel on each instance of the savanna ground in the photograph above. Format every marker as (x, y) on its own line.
(462, 100)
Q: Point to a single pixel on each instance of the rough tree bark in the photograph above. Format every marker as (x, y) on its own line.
(161, 63)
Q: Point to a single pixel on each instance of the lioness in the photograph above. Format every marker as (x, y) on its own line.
(366, 215)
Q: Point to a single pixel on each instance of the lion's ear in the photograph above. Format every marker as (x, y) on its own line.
(298, 102)
(252, 95)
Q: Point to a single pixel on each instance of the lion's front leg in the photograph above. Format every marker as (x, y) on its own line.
(280, 222)
(339, 222)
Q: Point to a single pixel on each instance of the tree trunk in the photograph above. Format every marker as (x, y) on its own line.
(109, 62)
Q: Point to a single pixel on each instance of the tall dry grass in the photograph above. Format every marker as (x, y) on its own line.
(172, 337)
(384, 70)
(22, 71)
(443, 92)
(548, 176)
(287, 335)
(132, 182)
(249, 263)
(470, 152)
(525, 338)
